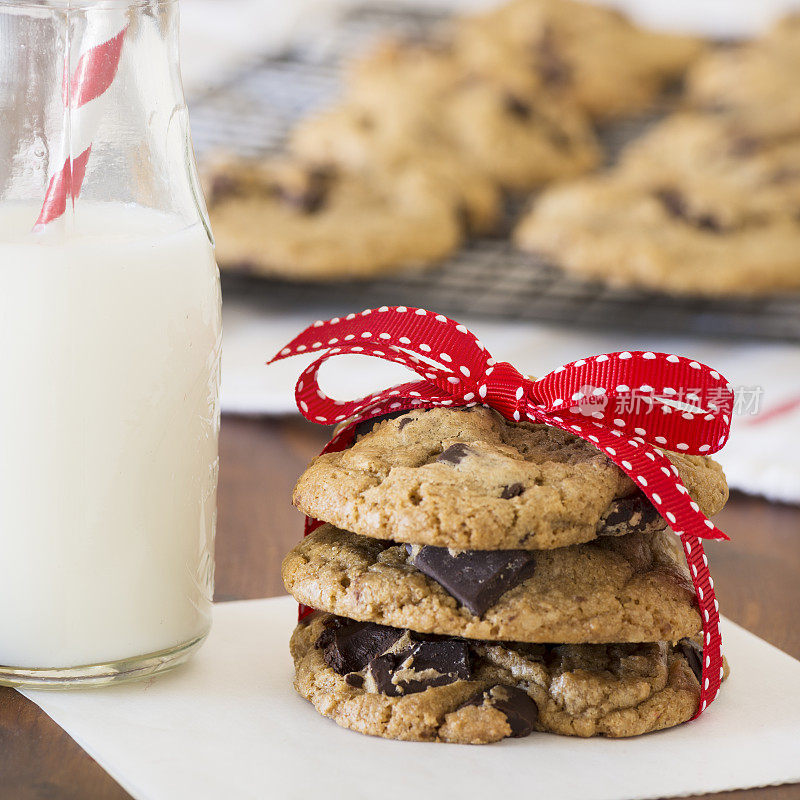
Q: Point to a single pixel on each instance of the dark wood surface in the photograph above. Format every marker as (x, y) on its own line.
(757, 577)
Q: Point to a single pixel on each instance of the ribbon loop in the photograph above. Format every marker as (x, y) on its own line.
(629, 405)
(667, 400)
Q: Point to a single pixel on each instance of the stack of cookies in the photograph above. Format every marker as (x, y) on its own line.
(477, 579)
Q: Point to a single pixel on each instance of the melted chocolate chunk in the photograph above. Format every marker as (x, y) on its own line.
(426, 663)
(675, 205)
(476, 578)
(632, 514)
(454, 454)
(521, 711)
(693, 653)
(349, 645)
(365, 426)
(354, 679)
(512, 490)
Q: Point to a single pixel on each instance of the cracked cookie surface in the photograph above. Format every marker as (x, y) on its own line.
(578, 690)
(512, 485)
(633, 588)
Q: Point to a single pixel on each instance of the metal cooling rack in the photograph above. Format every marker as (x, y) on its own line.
(252, 113)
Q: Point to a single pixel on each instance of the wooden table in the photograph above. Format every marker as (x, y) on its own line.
(757, 577)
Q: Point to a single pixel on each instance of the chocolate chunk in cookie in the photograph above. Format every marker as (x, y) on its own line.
(512, 490)
(555, 70)
(349, 646)
(426, 663)
(693, 653)
(476, 578)
(632, 514)
(676, 205)
(366, 426)
(516, 107)
(454, 454)
(520, 710)
(307, 197)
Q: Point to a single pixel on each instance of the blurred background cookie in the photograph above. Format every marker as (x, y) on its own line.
(290, 219)
(593, 55)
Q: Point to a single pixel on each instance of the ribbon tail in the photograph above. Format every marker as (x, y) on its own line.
(712, 667)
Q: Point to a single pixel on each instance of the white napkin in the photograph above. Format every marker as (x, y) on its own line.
(230, 725)
(760, 458)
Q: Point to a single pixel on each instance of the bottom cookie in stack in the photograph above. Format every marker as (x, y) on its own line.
(399, 684)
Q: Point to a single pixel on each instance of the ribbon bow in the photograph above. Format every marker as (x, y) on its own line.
(667, 402)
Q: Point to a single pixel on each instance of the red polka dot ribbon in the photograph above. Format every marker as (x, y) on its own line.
(629, 405)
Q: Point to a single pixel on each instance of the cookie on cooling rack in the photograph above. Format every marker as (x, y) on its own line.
(595, 56)
(695, 207)
(517, 138)
(756, 82)
(292, 220)
(400, 684)
(355, 138)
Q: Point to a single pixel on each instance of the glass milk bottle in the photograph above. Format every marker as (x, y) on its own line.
(109, 348)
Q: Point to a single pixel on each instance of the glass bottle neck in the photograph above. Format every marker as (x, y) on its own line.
(93, 111)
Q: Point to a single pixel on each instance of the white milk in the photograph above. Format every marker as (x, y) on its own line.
(109, 347)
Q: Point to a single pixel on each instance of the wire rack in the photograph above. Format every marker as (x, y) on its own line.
(252, 112)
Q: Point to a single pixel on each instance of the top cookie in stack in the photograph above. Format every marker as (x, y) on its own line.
(489, 578)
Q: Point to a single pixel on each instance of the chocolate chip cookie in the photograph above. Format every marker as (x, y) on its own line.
(691, 210)
(521, 139)
(756, 82)
(398, 684)
(633, 588)
(717, 155)
(470, 479)
(356, 138)
(289, 219)
(406, 101)
(594, 56)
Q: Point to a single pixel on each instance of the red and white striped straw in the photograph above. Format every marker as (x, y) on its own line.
(83, 93)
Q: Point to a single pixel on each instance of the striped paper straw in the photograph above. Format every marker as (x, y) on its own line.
(83, 93)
